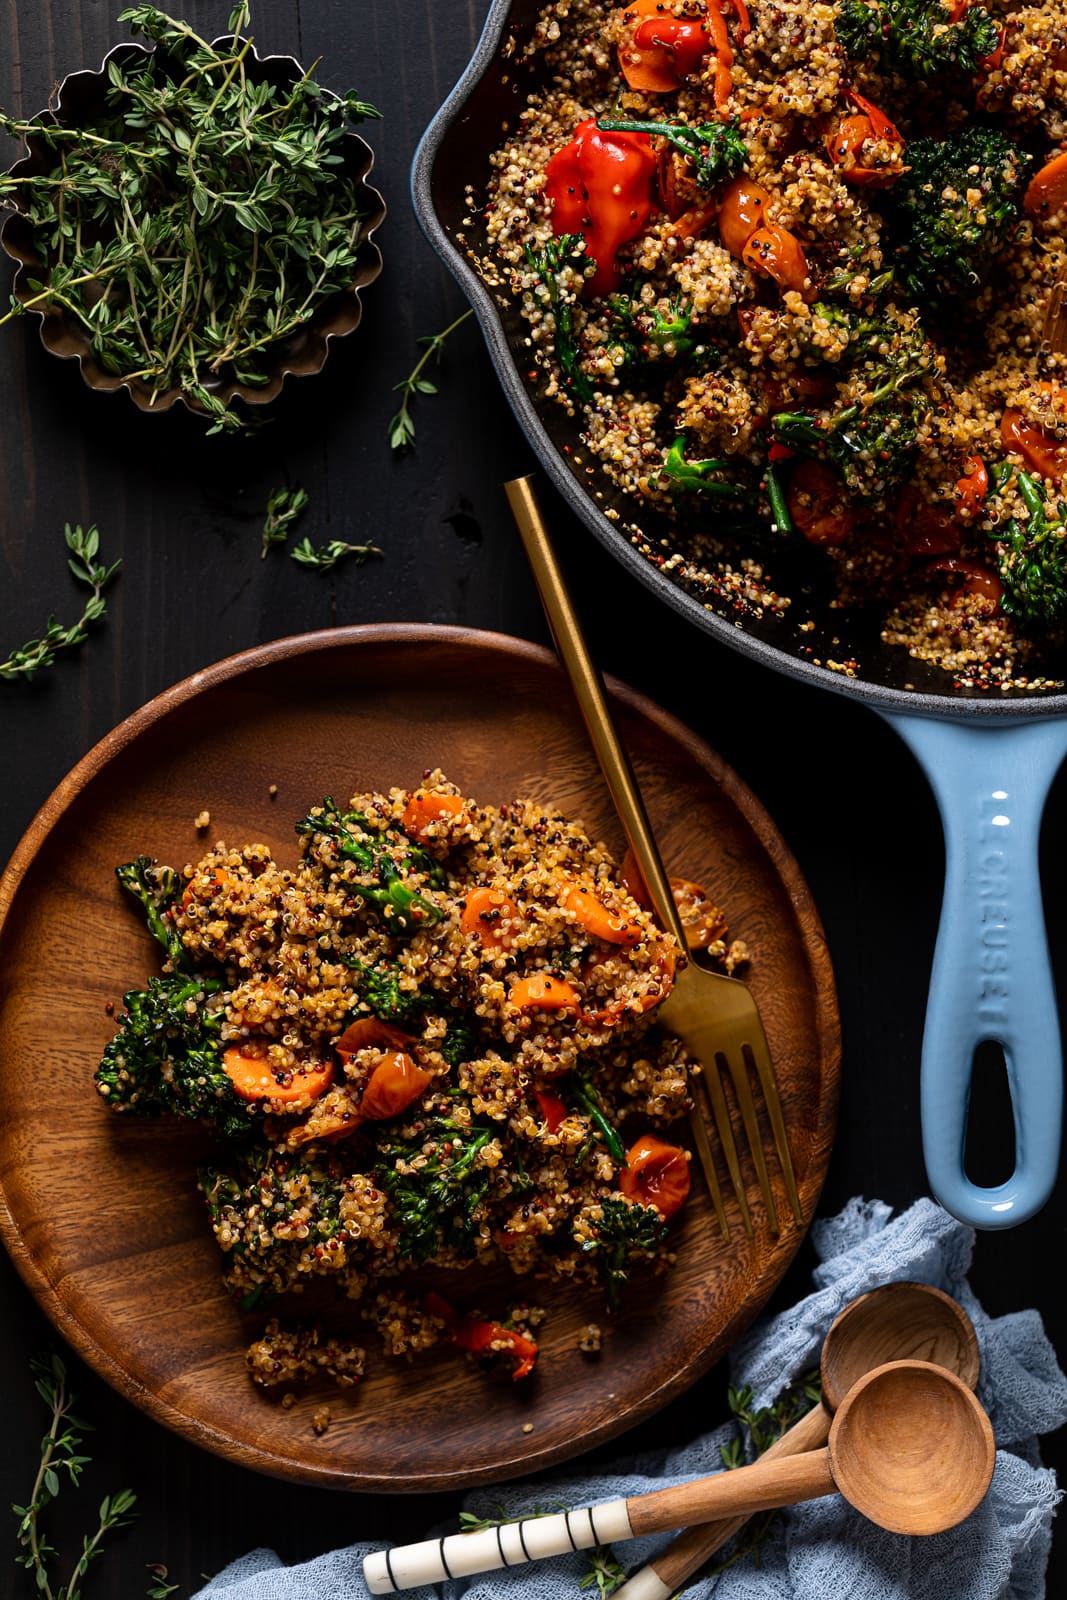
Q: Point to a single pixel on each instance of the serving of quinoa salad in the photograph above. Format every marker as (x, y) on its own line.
(426, 1048)
(793, 267)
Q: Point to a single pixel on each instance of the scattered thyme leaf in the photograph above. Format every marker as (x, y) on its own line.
(60, 1454)
(401, 427)
(196, 218)
(40, 653)
(284, 508)
(327, 556)
(605, 1571)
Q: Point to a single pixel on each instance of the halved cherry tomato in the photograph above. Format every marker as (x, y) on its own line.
(973, 487)
(656, 1174)
(1044, 454)
(817, 504)
(394, 1084)
(778, 254)
(924, 527)
(702, 921)
(367, 1031)
(481, 1337)
(975, 579)
(741, 212)
(424, 808)
(845, 141)
(552, 1108)
(658, 51)
(600, 185)
(594, 917)
(253, 1079)
(542, 992)
(489, 915)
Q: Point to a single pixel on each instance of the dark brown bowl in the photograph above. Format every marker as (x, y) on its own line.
(78, 97)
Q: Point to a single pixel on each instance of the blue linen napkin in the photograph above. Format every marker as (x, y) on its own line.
(824, 1548)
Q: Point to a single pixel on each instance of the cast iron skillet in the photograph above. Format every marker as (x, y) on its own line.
(990, 760)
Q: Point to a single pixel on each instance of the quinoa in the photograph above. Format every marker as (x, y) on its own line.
(429, 1042)
(679, 373)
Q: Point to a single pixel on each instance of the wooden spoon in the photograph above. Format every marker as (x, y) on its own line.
(894, 1322)
(910, 1448)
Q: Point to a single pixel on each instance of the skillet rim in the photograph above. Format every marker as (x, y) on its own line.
(1003, 707)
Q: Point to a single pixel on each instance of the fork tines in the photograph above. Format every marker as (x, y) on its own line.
(739, 1067)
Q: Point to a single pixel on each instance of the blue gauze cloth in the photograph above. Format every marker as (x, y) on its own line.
(824, 1548)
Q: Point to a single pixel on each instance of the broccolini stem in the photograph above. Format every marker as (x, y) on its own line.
(588, 1102)
(772, 483)
(547, 264)
(156, 889)
(717, 149)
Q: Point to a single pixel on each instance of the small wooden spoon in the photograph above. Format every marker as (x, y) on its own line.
(895, 1322)
(910, 1448)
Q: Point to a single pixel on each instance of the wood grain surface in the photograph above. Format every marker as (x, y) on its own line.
(134, 1278)
(185, 513)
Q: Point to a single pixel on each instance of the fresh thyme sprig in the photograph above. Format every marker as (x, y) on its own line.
(284, 508)
(402, 427)
(328, 555)
(60, 1449)
(39, 653)
(196, 220)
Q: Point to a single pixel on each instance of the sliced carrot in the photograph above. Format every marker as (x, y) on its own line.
(424, 808)
(595, 918)
(691, 224)
(656, 1174)
(489, 915)
(253, 1079)
(1047, 190)
(542, 992)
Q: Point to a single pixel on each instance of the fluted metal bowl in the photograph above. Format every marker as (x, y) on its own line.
(79, 98)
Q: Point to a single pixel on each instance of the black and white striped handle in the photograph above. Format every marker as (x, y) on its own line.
(509, 1544)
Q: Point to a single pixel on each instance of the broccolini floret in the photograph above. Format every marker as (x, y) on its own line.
(870, 442)
(704, 477)
(548, 263)
(166, 1058)
(1032, 558)
(716, 150)
(916, 37)
(385, 857)
(158, 890)
(434, 1197)
(625, 1232)
(955, 209)
(641, 333)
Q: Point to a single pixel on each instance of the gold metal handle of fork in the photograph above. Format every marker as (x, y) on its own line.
(592, 700)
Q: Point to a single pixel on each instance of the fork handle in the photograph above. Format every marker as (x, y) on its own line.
(992, 979)
(592, 700)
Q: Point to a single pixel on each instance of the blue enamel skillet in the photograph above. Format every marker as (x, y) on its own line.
(990, 761)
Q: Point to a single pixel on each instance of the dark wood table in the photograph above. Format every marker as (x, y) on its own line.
(184, 513)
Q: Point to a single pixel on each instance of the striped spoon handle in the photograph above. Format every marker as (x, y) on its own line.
(725, 1494)
(666, 1573)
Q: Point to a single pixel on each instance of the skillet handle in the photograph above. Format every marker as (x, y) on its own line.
(992, 978)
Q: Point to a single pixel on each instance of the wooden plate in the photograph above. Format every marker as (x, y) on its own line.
(101, 1214)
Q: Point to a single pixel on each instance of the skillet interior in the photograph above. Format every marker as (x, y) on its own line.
(449, 177)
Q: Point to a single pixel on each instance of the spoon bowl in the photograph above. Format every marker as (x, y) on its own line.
(911, 1448)
(897, 1322)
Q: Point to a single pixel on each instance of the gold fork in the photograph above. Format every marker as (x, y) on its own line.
(715, 1016)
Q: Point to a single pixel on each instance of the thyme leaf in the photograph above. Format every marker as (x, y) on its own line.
(60, 1456)
(326, 556)
(284, 507)
(401, 426)
(84, 545)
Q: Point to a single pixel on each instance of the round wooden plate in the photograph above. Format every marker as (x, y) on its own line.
(101, 1214)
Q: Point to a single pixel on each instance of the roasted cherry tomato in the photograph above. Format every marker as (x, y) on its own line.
(600, 185)
(818, 504)
(396, 1082)
(656, 1174)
